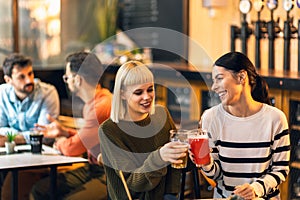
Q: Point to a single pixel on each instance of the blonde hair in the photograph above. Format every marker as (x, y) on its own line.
(130, 73)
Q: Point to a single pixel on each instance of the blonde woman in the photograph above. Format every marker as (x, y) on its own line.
(135, 140)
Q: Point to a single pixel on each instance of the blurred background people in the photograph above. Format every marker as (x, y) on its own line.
(82, 75)
(24, 100)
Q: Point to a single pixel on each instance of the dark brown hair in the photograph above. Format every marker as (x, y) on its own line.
(86, 65)
(235, 62)
(15, 59)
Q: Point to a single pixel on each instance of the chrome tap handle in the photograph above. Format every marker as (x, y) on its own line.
(272, 4)
(258, 5)
(288, 5)
(245, 6)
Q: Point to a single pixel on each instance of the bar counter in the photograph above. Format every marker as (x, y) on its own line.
(277, 80)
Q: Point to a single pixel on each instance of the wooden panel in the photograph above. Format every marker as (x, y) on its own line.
(181, 98)
(276, 95)
(290, 99)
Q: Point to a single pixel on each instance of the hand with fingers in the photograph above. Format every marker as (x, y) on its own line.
(57, 143)
(19, 139)
(52, 130)
(172, 151)
(246, 191)
(191, 155)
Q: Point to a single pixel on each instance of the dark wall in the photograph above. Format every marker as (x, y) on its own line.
(170, 14)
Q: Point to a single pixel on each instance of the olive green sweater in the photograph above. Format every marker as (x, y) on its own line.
(133, 148)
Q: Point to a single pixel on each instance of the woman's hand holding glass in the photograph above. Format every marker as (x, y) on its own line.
(199, 151)
(182, 137)
(172, 151)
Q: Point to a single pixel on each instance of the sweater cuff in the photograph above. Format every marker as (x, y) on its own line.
(160, 162)
(258, 189)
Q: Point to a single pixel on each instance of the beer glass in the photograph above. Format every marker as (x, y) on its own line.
(181, 136)
(198, 140)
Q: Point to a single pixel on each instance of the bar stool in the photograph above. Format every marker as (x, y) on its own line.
(195, 178)
(195, 173)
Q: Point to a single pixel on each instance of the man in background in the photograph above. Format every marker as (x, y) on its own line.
(83, 71)
(24, 100)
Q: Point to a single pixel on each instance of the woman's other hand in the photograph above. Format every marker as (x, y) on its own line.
(245, 191)
(172, 151)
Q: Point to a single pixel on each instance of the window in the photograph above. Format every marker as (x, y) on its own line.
(40, 30)
(48, 30)
(6, 35)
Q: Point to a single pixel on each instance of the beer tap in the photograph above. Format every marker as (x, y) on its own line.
(273, 29)
(288, 30)
(245, 7)
(260, 29)
(234, 34)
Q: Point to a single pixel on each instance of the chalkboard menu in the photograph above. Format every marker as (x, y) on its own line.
(168, 14)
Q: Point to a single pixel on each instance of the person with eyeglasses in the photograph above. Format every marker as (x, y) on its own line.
(24, 100)
(83, 72)
(66, 77)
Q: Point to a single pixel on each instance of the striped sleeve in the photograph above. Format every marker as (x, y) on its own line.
(213, 170)
(279, 168)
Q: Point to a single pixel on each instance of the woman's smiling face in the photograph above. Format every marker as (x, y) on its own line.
(139, 100)
(226, 85)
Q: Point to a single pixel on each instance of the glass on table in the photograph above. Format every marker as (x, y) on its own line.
(181, 136)
(36, 141)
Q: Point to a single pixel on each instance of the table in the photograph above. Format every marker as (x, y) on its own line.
(22, 161)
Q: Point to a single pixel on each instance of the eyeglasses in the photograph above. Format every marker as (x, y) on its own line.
(65, 77)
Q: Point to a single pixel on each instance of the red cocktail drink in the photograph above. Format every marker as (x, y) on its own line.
(200, 148)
